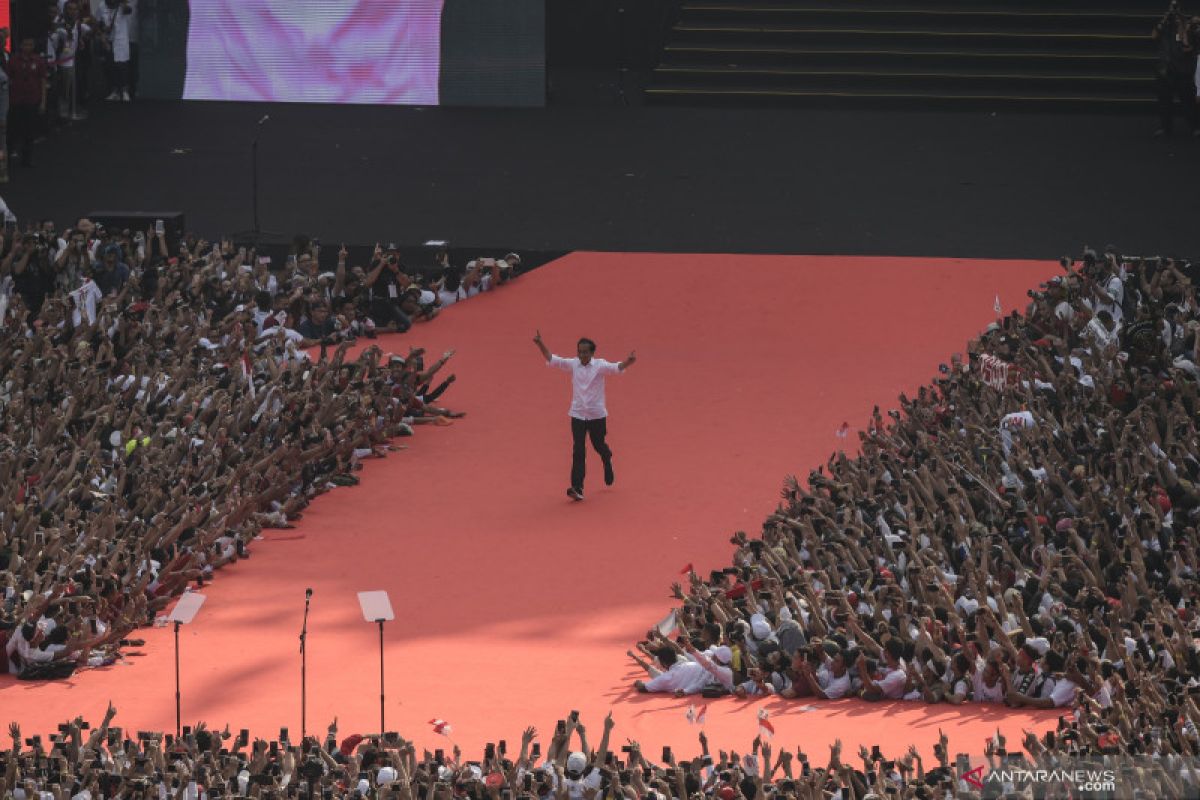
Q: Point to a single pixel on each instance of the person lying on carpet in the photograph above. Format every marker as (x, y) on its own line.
(160, 410)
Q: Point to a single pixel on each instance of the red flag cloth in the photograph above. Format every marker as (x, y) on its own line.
(739, 590)
(440, 726)
(700, 718)
(349, 743)
(688, 570)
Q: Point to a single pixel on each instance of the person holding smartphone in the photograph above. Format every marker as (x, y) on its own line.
(589, 416)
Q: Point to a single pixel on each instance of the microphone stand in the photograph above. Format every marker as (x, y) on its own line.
(304, 669)
(257, 234)
(621, 69)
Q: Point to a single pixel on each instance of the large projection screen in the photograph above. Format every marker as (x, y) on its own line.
(393, 52)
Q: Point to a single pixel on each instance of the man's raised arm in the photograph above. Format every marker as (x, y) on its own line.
(628, 362)
(537, 339)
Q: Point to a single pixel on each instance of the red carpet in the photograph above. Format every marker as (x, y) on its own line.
(514, 604)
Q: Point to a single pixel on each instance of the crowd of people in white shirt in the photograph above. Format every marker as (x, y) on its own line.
(1021, 532)
(158, 410)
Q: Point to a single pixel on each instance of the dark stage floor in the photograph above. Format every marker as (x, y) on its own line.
(639, 178)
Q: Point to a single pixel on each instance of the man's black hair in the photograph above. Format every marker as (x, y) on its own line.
(895, 648)
(666, 656)
(585, 340)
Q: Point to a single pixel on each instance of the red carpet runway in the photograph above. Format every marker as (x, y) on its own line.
(514, 604)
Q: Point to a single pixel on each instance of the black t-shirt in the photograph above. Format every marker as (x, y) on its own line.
(310, 330)
(387, 285)
(1176, 55)
(35, 282)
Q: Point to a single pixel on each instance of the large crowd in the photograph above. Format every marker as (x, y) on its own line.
(158, 410)
(85, 763)
(1021, 532)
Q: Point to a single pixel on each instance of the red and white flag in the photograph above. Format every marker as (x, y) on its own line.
(687, 570)
(702, 716)
(440, 726)
(765, 728)
(844, 430)
(668, 624)
(999, 309)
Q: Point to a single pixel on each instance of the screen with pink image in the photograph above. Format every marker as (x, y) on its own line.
(314, 51)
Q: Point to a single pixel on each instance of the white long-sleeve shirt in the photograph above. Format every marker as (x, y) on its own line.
(587, 385)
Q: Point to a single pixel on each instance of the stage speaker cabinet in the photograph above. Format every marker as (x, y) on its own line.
(173, 222)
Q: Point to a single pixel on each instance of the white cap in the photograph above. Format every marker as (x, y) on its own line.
(385, 776)
(576, 762)
(723, 655)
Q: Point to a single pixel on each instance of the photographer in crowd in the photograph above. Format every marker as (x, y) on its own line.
(1178, 38)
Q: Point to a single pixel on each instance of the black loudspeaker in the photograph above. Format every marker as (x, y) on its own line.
(173, 222)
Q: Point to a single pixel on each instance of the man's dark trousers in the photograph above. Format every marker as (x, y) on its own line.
(597, 429)
(1174, 84)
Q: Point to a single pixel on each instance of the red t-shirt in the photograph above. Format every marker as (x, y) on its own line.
(26, 75)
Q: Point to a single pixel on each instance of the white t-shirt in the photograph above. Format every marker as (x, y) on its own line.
(1063, 693)
(892, 683)
(683, 676)
(575, 788)
(985, 693)
(448, 298)
(833, 686)
(587, 385)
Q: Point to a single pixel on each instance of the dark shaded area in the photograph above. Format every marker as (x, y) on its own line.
(641, 178)
(163, 29)
(493, 53)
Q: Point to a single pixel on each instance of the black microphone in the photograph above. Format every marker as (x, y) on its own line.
(307, 593)
(260, 122)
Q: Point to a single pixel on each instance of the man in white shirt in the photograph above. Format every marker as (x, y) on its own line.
(589, 417)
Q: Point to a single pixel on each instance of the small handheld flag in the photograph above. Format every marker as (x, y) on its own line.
(765, 728)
